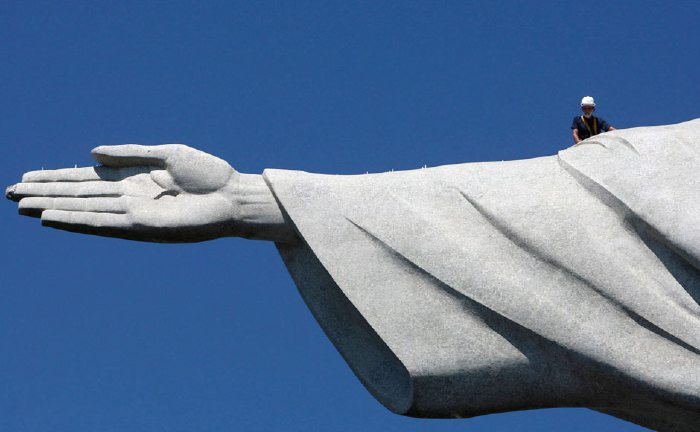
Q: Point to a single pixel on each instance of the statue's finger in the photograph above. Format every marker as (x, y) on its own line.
(85, 222)
(68, 189)
(34, 206)
(10, 193)
(66, 174)
(82, 174)
(126, 155)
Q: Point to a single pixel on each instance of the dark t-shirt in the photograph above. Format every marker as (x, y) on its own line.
(594, 124)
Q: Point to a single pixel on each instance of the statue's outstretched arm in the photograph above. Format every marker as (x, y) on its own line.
(167, 193)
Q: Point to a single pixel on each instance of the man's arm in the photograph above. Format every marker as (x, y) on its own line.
(574, 132)
(605, 126)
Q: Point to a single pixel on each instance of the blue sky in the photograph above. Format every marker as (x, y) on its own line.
(108, 335)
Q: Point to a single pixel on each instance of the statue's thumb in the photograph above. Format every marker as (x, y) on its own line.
(129, 155)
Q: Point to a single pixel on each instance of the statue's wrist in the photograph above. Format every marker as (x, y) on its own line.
(257, 214)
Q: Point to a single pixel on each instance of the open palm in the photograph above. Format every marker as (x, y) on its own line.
(165, 193)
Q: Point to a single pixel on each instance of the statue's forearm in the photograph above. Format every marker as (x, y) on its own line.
(259, 216)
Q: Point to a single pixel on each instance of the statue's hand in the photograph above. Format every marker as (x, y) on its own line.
(165, 193)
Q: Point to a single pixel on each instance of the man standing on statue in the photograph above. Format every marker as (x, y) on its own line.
(587, 125)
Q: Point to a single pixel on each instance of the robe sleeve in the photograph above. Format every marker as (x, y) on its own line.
(477, 288)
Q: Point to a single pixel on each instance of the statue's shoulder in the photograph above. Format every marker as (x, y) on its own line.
(649, 143)
(651, 174)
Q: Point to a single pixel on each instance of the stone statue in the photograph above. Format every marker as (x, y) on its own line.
(564, 281)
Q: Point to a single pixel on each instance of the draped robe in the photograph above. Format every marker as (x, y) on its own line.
(564, 281)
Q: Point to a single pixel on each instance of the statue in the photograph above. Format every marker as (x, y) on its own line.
(564, 281)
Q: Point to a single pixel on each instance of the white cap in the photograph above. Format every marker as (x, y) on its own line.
(587, 101)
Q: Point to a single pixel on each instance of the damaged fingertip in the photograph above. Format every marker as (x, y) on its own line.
(10, 193)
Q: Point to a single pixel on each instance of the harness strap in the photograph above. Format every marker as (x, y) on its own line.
(595, 125)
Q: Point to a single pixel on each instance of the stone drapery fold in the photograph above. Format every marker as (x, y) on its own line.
(461, 290)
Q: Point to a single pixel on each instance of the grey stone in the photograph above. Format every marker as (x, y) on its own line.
(564, 281)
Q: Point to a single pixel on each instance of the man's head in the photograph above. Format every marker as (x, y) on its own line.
(587, 106)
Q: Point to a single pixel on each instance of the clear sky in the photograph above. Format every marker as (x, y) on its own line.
(106, 335)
